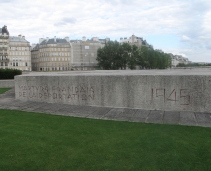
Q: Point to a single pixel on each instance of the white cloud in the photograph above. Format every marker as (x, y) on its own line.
(189, 20)
(185, 38)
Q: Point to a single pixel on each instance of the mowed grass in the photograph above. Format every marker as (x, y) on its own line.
(32, 141)
(2, 90)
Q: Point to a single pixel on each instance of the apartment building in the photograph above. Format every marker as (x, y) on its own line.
(63, 54)
(4, 47)
(134, 40)
(51, 54)
(176, 59)
(84, 52)
(19, 53)
(14, 51)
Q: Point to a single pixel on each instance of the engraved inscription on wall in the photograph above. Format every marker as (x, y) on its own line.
(179, 97)
(55, 92)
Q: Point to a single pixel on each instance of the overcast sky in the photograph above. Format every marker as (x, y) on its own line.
(176, 26)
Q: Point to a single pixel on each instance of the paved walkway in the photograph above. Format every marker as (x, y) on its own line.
(8, 101)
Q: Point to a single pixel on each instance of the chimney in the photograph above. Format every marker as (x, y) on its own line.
(54, 38)
(67, 38)
(47, 39)
(83, 38)
(19, 36)
(23, 37)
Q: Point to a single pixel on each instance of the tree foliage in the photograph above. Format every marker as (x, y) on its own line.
(115, 56)
(193, 65)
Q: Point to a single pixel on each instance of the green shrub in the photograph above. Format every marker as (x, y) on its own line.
(9, 73)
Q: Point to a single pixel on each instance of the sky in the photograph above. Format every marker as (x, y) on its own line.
(180, 27)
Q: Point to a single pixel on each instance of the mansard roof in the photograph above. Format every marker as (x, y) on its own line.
(51, 41)
(36, 47)
(17, 39)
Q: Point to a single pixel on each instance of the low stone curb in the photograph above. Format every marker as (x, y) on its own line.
(8, 101)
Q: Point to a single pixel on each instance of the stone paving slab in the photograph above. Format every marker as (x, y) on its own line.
(171, 117)
(140, 115)
(8, 101)
(112, 114)
(188, 118)
(126, 114)
(155, 117)
(49, 108)
(99, 112)
(34, 108)
(203, 119)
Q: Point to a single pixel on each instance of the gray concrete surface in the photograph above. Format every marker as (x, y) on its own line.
(7, 83)
(8, 101)
(167, 90)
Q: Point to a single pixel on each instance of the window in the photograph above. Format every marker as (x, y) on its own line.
(16, 63)
(26, 63)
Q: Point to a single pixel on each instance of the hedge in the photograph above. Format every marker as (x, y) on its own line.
(9, 73)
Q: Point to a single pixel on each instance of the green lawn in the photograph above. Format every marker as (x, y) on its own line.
(41, 142)
(2, 90)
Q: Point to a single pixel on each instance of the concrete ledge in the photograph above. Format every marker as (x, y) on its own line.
(150, 90)
(7, 84)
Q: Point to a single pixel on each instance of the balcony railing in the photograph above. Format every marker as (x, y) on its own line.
(4, 60)
(3, 54)
(4, 36)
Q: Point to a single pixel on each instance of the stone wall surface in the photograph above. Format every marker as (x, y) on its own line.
(143, 91)
(7, 84)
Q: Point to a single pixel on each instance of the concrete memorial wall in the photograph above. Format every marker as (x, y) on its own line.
(128, 89)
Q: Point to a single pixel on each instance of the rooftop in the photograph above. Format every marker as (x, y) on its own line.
(51, 41)
(18, 39)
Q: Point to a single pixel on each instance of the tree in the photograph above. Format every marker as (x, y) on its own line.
(108, 57)
(133, 55)
(124, 50)
(120, 56)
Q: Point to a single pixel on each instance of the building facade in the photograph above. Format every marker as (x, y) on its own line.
(14, 51)
(176, 59)
(134, 40)
(51, 55)
(64, 54)
(19, 53)
(4, 47)
(84, 52)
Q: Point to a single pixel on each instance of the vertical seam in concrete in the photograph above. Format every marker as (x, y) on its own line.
(195, 118)
(179, 118)
(147, 117)
(163, 117)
